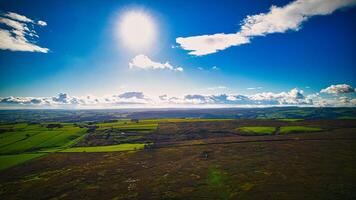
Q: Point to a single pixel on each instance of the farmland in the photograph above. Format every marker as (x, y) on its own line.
(21, 142)
(131, 131)
(179, 158)
(19, 138)
(118, 147)
(269, 130)
(298, 129)
(12, 160)
(178, 100)
(257, 130)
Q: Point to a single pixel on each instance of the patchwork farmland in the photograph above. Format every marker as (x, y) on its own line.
(178, 159)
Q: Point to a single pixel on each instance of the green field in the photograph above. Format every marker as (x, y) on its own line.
(347, 117)
(147, 125)
(184, 159)
(267, 130)
(257, 130)
(7, 161)
(292, 129)
(21, 138)
(22, 142)
(110, 148)
(134, 131)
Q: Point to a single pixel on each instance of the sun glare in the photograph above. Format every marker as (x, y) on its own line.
(137, 30)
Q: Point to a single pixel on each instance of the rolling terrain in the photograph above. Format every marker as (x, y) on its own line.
(179, 158)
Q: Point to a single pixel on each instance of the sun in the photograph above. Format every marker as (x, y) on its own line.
(137, 30)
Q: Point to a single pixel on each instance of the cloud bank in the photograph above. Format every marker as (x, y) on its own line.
(143, 62)
(18, 33)
(338, 89)
(63, 99)
(277, 20)
(294, 97)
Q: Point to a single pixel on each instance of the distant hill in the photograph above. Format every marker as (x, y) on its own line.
(8, 116)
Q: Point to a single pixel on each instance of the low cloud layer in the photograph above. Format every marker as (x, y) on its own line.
(18, 33)
(143, 62)
(338, 89)
(294, 97)
(277, 20)
(63, 99)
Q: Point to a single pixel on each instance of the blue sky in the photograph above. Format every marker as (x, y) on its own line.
(87, 55)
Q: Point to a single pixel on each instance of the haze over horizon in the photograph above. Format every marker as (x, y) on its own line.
(158, 54)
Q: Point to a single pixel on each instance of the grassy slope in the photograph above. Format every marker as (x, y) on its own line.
(36, 137)
(119, 147)
(257, 130)
(264, 130)
(22, 142)
(290, 129)
(7, 161)
(146, 124)
(264, 170)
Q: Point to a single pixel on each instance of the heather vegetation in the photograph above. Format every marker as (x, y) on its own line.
(217, 158)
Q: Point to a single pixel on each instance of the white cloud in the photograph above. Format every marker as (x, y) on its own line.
(338, 89)
(209, 69)
(335, 102)
(63, 99)
(180, 69)
(144, 62)
(293, 97)
(42, 23)
(128, 95)
(17, 17)
(128, 98)
(353, 102)
(254, 88)
(215, 68)
(196, 99)
(18, 34)
(220, 87)
(207, 44)
(277, 20)
(163, 97)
